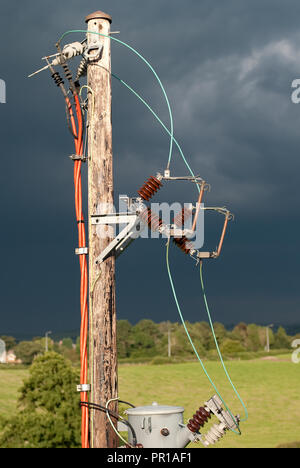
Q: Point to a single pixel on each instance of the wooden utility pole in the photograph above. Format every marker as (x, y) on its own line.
(103, 346)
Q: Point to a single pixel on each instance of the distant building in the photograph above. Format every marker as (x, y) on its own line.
(11, 358)
(7, 357)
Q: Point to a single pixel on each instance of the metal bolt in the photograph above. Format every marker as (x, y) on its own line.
(165, 432)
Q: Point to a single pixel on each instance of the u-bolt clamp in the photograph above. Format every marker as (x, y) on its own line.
(93, 51)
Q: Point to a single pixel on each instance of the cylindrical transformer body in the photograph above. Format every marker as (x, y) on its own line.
(158, 426)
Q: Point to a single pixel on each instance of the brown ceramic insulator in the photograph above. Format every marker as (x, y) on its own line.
(183, 243)
(151, 218)
(149, 188)
(198, 420)
(182, 217)
(146, 215)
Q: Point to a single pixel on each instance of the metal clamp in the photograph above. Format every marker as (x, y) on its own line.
(76, 157)
(83, 388)
(201, 254)
(82, 251)
(214, 405)
(97, 47)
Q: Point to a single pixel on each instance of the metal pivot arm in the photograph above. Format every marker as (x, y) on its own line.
(204, 187)
(228, 217)
(197, 179)
(131, 232)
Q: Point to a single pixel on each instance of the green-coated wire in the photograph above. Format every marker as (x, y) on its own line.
(191, 341)
(217, 345)
(172, 139)
(159, 120)
(147, 63)
(170, 277)
(204, 295)
(171, 131)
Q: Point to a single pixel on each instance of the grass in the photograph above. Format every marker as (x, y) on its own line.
(11, 379)
(270, 389)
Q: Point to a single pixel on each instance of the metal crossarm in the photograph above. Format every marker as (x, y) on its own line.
(131, 232)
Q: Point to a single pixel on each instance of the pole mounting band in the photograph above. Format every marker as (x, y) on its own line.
(83, 388)
(82, 251)
(76, 157)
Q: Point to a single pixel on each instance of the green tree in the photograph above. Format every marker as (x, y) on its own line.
(240, 333)
(78, 345)
(253, 342)
(50, 412)
(149, 327)
(28, 350)
(182, 345)
(221, 335)
(231, 347)
(145, 338)
(123, 338)
(67, 343)
(281, 339)
(203, 332)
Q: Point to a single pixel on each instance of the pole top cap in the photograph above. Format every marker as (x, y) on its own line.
(98, 15)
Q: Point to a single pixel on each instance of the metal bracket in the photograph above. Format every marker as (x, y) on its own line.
(205, 254)
(97, 47)
(76, 157)
(83, 388)
(167, 176)
(82, 251)
(116, 218)
(214, 404)
(131, 232)
(173, 231)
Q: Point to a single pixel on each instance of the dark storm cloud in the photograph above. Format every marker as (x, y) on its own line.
(227, 68)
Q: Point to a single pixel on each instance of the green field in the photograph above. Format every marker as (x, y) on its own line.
(11, 380)
(270, 389)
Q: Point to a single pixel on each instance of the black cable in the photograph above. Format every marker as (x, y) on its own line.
(126, 403)
(69, 123)
(68, 74)
(114, 415)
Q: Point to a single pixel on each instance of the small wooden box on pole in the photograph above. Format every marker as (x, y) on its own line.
(103, 346)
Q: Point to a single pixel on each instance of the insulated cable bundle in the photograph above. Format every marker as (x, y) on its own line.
(77, 131)
(83, 267)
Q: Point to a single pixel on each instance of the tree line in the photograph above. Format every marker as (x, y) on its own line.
(147, 339)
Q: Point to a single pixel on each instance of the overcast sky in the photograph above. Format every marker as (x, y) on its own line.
(227, 68)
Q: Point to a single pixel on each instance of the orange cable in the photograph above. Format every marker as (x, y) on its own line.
(78, 140)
